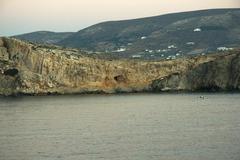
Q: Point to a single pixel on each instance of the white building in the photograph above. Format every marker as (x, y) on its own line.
(164, 50)
(121, 50)
(197, 30)
(148, 50)
(190, 43)
(224, 49)
(136, 56)
(171, 57)
(171, 46)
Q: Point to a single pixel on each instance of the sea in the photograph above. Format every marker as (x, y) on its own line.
(144, 126)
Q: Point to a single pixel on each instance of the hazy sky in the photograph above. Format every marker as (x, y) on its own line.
(22, 16)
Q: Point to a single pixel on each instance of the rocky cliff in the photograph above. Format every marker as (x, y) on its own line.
(34, 69)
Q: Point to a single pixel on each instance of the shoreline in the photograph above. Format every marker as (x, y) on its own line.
(124, 93)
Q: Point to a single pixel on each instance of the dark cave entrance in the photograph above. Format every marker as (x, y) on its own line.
(11, 72)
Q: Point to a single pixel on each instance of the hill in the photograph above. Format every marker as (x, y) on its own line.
(44, 36)
(161, 37)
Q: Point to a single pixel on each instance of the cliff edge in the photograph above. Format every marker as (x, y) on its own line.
(34, 69)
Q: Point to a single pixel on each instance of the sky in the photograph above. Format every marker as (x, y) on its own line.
(23, 16)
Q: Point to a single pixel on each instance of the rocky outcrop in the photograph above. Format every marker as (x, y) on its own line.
(30, 69)
(221, 74)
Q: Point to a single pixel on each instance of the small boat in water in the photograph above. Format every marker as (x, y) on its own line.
(202, 97)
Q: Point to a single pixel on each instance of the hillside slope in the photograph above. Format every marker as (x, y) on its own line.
(194, 32)
(32, 69)
(44, 37)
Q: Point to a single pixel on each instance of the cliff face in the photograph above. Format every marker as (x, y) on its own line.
(221, 74)
(31, 69)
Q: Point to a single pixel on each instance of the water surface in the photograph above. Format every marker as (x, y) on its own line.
(121, 127)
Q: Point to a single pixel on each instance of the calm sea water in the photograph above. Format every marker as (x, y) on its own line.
(121, 127)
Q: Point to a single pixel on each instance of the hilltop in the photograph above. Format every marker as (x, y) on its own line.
(161, 37)
(45, 37)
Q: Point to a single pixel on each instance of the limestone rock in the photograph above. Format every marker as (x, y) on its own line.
(32, 69)
(222, 74)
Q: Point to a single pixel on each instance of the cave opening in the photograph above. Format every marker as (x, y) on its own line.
(120, 78)
(11, 72)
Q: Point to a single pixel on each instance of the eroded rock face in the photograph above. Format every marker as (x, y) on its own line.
(29, 69)
(222, 74)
